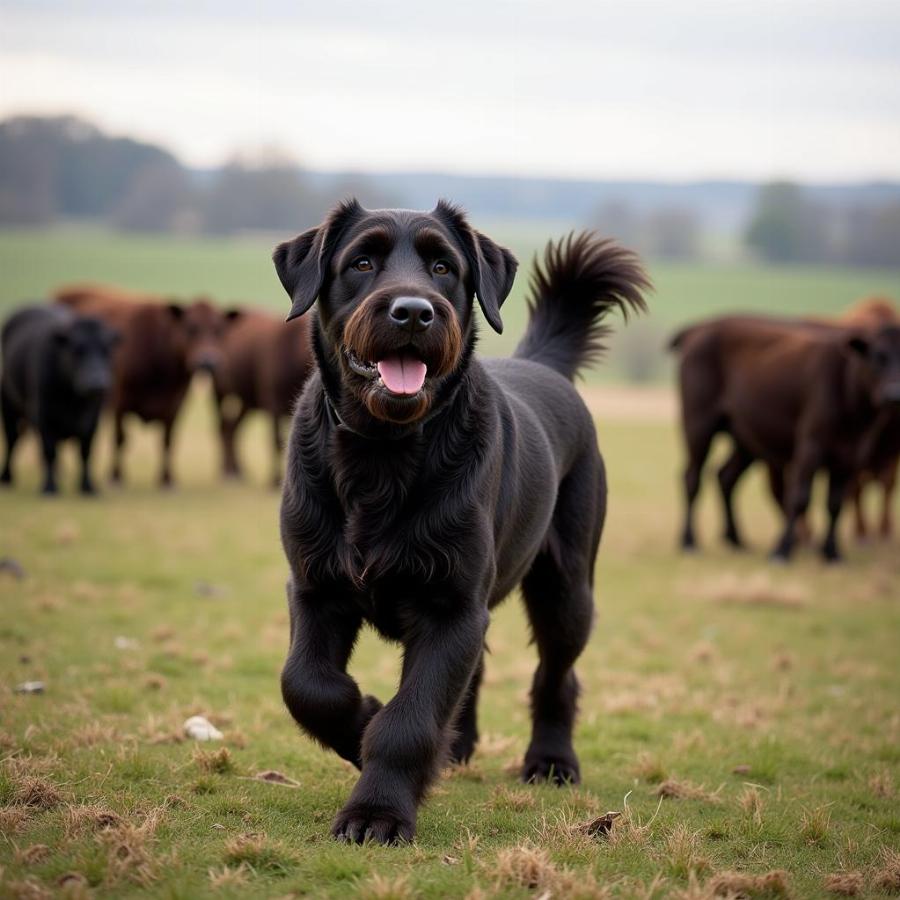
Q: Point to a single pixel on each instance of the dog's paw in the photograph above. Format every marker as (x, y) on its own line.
(558, 769)
(461, 749)
(361, 824)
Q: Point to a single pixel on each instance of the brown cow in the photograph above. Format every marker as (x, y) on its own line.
(265, 362)
(798, 398)
(870, 314)
(163, 345)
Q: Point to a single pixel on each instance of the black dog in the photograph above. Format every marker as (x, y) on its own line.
(423, 484)
(57, 370)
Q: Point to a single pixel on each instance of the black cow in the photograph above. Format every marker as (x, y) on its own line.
(57, 370)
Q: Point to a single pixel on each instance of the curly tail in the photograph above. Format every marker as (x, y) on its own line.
(582, 278)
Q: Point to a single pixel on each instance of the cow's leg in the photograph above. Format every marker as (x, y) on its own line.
(405, 742)
(228, 426)
(729, 475)
(118, 446)
(11, 433)
(888, 479)
(48, 449)
(277, 449)
(85, 441)
(838, 480)
(857, 490)
(803, 468)
(699, 432)
(165, 474)
(324, 700)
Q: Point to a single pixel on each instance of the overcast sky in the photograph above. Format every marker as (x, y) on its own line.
(808, 89)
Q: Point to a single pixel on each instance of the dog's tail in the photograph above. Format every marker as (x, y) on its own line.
(581, 279)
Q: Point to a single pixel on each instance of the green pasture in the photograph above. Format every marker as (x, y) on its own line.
(742, 718)
(33, 263)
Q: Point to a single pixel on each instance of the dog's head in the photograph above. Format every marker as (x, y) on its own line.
(395, 291)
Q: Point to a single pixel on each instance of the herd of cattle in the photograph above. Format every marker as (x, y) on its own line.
(99, 346)
(799, 395)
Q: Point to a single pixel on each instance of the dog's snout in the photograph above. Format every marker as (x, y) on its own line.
(413, 313)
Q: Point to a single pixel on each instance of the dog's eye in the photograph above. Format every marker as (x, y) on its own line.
(363, 264)
(441, 267)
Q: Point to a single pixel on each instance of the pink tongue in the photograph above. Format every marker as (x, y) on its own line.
(402, 374)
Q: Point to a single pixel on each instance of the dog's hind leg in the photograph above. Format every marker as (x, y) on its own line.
(466, 737)
(559, 599)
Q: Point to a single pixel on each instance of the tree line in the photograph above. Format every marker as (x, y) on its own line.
(67, 168)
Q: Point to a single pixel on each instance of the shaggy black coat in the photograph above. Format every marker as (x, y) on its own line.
(419, 513)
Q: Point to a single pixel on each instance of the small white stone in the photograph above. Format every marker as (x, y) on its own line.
(30, 687)
(125, 643)
(201, 729)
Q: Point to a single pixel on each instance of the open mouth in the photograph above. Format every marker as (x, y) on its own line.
(400, 373)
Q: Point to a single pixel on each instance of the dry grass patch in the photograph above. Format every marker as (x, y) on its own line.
(882, 784)
(258, 853)
(684, 854)
(517, 799)
(887, 877)
(648, 768)
(26, 889)
(847, 884)
(228, 877)
(35, 793)
(93, 734)
(815, 825)
(525, 866)
(13, 819)
(758, 589)
(674, 789)
(93, 817)
(741, 885)
(383, 887)
(751, 802)
(128, 845)
(218, 762)
(32, 855)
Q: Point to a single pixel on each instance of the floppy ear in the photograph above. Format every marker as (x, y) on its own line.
(302, 263)
(493, 267)
(858, 345)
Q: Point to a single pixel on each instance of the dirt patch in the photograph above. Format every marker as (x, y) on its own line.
(630, 403)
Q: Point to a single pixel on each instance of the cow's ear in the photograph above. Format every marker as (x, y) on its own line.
(233, 314)
(176, 311)
(858, 345)
(493, 267)
(302, 264)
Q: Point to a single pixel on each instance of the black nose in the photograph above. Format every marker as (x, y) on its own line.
(414, 313)
(206, 364)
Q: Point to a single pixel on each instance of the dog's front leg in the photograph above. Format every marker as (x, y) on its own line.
(321, 696)
(403, 744)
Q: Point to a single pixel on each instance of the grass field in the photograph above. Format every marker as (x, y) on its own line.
(240, 270)
(743, 719)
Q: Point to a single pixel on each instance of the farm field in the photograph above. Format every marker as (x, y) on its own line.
(742, 718)
(239, 270)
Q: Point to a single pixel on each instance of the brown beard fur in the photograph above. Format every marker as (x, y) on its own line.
(440, 350)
